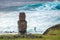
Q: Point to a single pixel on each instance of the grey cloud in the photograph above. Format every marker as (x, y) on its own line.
(14, 2)
(22, 0)
(6, 4)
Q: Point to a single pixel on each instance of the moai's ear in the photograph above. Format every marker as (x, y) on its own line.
(22, 16)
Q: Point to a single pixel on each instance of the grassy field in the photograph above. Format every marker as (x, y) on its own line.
(52, 35)
(46, 37)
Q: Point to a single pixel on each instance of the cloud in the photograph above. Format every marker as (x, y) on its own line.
(24, 0)
(5, 3)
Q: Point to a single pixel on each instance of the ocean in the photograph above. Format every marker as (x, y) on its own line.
(41, 15)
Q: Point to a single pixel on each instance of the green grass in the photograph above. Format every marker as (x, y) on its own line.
(57, 32)
(49, 36)
(45, 37)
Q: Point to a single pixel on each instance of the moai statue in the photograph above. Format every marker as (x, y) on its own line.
(22, 23)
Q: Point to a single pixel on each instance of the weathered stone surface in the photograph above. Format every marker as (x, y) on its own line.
(22, 16)
(22, 23)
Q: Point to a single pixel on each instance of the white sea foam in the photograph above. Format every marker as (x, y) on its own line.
(39, 19)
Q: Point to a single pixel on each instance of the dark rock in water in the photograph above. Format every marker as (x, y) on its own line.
(22, 23)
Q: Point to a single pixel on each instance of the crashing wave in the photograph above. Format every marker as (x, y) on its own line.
(41, 6)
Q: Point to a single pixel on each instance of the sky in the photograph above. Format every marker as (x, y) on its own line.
(5, 3)
(25, 0)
